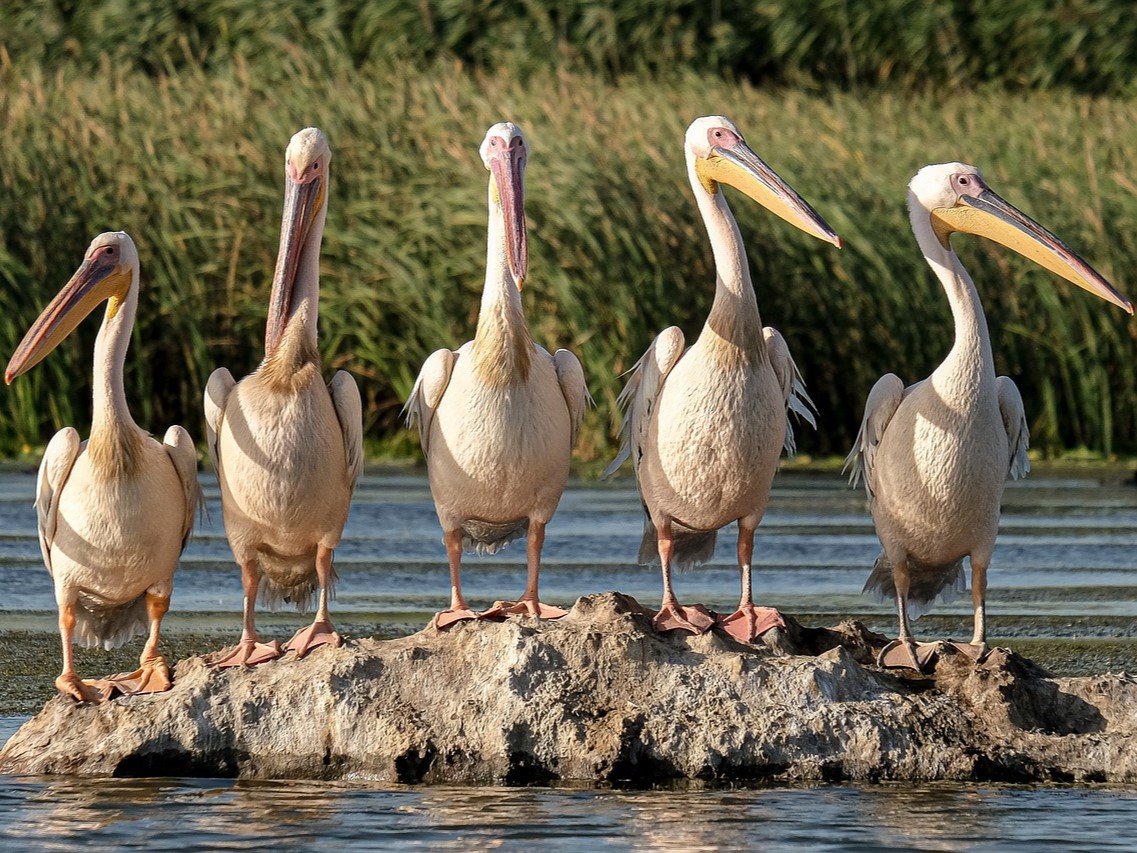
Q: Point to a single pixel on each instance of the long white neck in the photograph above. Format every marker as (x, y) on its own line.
(109, 406)
(734, 315)
(502, 341)
(969, 368)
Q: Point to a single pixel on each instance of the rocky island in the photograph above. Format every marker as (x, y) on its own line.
(600, 697)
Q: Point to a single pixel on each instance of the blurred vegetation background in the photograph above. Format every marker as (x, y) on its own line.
(169, 120)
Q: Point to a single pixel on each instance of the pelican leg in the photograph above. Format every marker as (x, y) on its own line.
(977, 649)
(153, 673)
(748, 622)
(530, 603)
(904, 652)
(458, 609)
(672, 615)
(69, 683)
(250, 650)
(320, 632)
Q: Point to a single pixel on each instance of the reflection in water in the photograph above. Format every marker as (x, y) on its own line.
(191, 815)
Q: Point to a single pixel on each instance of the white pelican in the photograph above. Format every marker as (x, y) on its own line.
(705, 426)
(934, 456)
(115, 510)
(498, 417)
(287, 452)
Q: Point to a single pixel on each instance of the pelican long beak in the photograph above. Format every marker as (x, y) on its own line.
(96, 280)
(744, 170)
(991, 216)
(508, 170)
(302, 201)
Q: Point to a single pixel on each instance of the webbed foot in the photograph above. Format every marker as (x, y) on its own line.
(524, 607)
(153, 676)
(675, 617)
(320, 633)
(445, 618)
(749, 623)
(247, 653)
(81, 690)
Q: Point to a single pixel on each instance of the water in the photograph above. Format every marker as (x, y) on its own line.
(1063, 575)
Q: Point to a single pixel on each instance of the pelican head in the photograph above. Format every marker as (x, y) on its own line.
(504, 152)
(106, 273)
(956, 199)
(720, 155)
(306, 164)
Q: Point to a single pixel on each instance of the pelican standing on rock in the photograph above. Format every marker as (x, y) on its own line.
(705, 426)
(115, 510)
(287, 448)
(935, 456)
(498, 417)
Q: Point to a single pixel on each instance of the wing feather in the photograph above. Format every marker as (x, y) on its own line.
(640, 395)
(794, 395)
(1018, 433)
(217, 390)
(179, 447)
(54, 469)
(427, 393)
(349, 412)
(570, 376)
(883, 401)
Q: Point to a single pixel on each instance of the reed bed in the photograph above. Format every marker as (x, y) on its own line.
(1087, 45)
(191, 161)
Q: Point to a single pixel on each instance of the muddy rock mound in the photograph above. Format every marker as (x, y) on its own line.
(599, 696)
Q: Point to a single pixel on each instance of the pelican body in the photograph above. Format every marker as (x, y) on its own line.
(498, 417)
(114, 511)
(287, 448)
(936, 455)
(705, 425)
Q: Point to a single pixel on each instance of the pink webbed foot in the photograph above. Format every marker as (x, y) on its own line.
(748, 623)
(523, 607)
(675, 617)
(443, 619)
(247, 653)
(319, 633)
(153, 676)
(89, 690)
(976, 651)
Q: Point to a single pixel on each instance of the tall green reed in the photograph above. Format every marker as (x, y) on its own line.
(191, 164)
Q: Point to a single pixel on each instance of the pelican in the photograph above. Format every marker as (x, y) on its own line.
(498, 417)
(114, 511)
(287, 448)
(935, 456)
(705, 426)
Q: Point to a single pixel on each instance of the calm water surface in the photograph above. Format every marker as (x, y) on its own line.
(1064, 570)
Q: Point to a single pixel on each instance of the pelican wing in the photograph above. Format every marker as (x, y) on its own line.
(570, 376)
(427, 393)
(883, 401)
(1014, 419)
(217, 390)
(179, 447)
(640, 395)
(793, 386)
(54, 469)
(349, 411)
